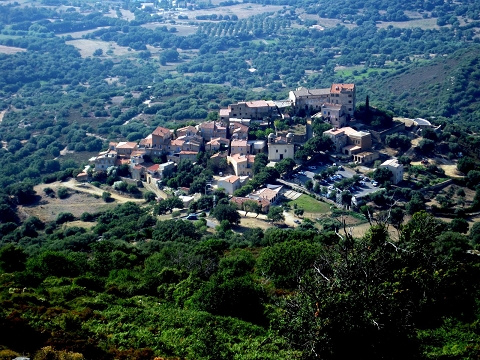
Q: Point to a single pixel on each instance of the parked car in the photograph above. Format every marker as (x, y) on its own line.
(301, 172)
(374, 183)
(340, 167)
(297, 221)
(192, 217)
(334, 164)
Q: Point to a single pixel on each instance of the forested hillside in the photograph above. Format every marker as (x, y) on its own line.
(118, 282)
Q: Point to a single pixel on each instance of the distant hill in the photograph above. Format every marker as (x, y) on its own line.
(446, 87)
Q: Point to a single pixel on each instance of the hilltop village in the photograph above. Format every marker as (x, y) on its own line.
(230, 138)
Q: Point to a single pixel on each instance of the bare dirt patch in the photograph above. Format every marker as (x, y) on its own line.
(87, 47)
(10, 49)
(79, 34)
(2, 114)
(77, 203)
(82, 198)
(424, 24)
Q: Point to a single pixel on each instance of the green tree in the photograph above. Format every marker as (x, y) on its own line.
(382, 175)
(465, 164)
(285, 165)
(106, 196)
(149, 196)
(12, 258)
(227, 212)
(62, 192)
(275, 214)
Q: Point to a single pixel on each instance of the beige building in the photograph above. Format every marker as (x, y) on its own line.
(242, 164)
(396, 168)
(217, 144)
(239, 147)
(349, 141)
(309, 99)
(158, 139)
(187, 131)
(334, 114)
(104, 160)
(313, 99)
(344, 94)
(280, 148)
(212, 129)
(270, 195)
(229, 183)
(255, 110)
(126, 148)
(366, 157)
(238, 130)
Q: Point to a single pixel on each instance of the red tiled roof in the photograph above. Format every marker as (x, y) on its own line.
(161, 131)
(337, 88)
(154, 167)
(127, 145)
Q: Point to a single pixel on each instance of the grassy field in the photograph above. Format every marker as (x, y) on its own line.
(310, 205)
(87, 47)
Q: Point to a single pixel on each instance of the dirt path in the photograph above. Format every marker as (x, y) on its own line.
(2, 114)
(90, 189)
(97, 136)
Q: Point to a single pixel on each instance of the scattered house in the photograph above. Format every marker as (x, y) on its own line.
(254, 110)
(257, 146)
(239, 147)
(82, 177)
(217, 144)
(212, 129)
(349, 141)
(186, 200)
(157, 172)
(265, 204)
(183, 155)
(187, 131)
(242, 164)
(396, 168)
(159, 139)
(230, 183)
(366, 157)
(238, 130)
(224, 115)
(104, 160)
(334, 114)
(126, 148)
(221, 154)
(344, 94)
(270, 195)
(137, 171)
(280, 148)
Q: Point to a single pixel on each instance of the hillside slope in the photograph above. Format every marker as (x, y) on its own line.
(445, 87)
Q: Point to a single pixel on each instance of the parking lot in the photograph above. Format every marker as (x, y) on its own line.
(366, 187)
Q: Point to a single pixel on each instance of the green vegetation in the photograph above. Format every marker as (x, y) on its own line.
(133, 287)
(309, 204)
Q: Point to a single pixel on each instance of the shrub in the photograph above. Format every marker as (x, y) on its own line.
(62, 192)
(64, 217)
